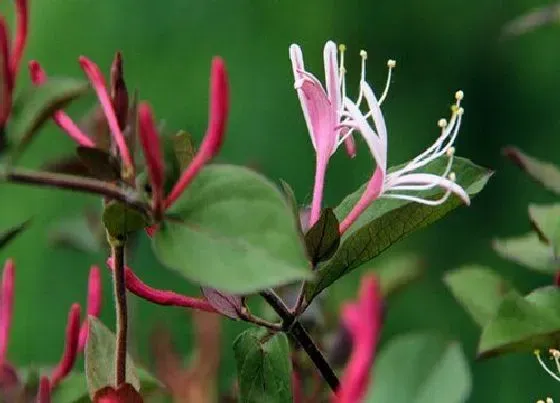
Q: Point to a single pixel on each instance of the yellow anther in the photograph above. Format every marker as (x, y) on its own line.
(391, 63)
(342, 47)
(452, 177)
(459, 95)
(450, 152)
(363, 54)
(442, 123)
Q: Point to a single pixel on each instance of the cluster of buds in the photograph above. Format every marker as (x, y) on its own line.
(75, 341)
(332, 118)
(10, 59)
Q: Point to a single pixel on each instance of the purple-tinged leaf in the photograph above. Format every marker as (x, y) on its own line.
(227, 304)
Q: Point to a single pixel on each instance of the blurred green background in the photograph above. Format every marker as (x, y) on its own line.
(511, 97)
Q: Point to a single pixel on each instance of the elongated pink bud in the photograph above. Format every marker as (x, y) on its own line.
(212, 142)
(70, 347)
(161, 297)
(363, 320)
(5, 74)
(98, 83)
(22, 22)
(62, 120)
(93, 304)
(6, 307)
(44, 394)
(152, 153)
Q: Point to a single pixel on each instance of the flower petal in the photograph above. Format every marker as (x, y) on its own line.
(432, 180)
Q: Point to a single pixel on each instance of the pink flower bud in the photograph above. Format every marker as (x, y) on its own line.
(5, 74)
(22, 22)
(70, 347)
(93, 304)
(212, 142)
(6, 307)
(44, 394)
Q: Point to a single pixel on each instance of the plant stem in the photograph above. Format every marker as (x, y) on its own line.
(292, 326)
(76, 183)
(117, 252)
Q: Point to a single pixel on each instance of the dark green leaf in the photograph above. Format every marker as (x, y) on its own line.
(529, 251)
(546, 220)
(73, 389)
(237, 234)
(544, 173)
(387, 221)
(37, 105)
(184, 149)
(100, 164)
(70, 165)
(523, 323)
(264, 367)
(420, 368)
(11, 233)
(322, 240)
(479, 290)
(100, 359)
(119, 219)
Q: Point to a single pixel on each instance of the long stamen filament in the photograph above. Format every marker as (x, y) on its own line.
(542, 363)
(391, 64)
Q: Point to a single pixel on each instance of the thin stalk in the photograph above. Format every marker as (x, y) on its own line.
(293, 327)
(118, 252)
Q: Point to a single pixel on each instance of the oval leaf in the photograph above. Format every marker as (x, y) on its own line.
(119, 219)
(37, 104)
(264, 368)
(100, 164)
(479, 290)
(544, 173)
(100, 359)
(528, 251)
(227, 304)
(387, 221)
(420, 368)
(523, 323)
(237, 233)
(322, 240)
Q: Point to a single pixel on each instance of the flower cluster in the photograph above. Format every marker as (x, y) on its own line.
(332, 118)
(75, 341)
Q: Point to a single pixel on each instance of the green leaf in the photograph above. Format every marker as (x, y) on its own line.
(398, 272)
(78, 233)
(100, 359)
(323, 238)
(184, 149)
(237, 235)
(546, 220)
(523, 323)
(264, 367)
(544, 173)
(11, 233)
(100, 164)
(37, 104)
(290, 196)
(387, 221)
(479, 290)
(420, 368)
(529, 251)
(119, 219)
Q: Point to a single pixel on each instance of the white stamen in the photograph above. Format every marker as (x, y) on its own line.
(391, 65)
(541, 362)
(450, 152)
(459, 95)
(442, 123)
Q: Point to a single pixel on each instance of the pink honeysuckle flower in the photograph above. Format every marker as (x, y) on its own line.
(62, 120)
(93, 304)
(209, 148)
(6, 307)
(399, 184)
(97, 81)
(10, 58)
(70, 347)
(363, 320)
(160, 297)
(322, 110)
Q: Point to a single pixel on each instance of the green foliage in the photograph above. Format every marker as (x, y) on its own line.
(546, 220)
(523, 323)
(323, 238)
(420, 368)
(100, 164)
(120, 220)
(36, 105)
(386, 222)
(544, 173)
(236, 233)
(100, 359)
(264, 368)
(479, 290)
(10, 234)
(529, 251)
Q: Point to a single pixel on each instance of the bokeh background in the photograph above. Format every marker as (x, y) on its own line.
(511, 87)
